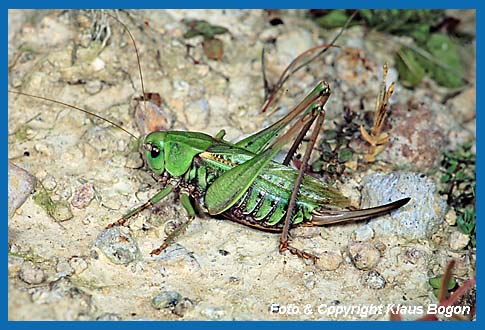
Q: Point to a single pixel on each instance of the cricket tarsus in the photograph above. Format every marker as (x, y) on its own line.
(157, 197)
(172, 236)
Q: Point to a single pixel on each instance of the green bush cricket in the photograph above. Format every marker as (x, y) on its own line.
(241, 182)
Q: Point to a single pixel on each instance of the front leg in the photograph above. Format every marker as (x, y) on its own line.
(187, 204)
(158, 197)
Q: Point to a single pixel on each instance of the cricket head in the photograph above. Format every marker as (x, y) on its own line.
(154, 151)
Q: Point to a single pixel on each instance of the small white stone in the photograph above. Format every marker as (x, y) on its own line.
(98, 64)
(458, 240)
(49, 182)
(78, 264)
(450, 217)
(31, 274)
(63, 268)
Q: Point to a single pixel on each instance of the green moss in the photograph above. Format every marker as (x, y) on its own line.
(59, 211)
(458, 182)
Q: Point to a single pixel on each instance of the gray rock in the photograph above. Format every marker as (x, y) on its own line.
(415, 220)
(118, 247)
(373, 280)
(166, 299)
(20, 185)
(31, 274)
(183, 306)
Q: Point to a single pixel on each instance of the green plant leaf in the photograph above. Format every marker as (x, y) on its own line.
(410, 70)
(444, 50)
(344, 155)
(466, 222)
(202, 28)
(435, 282)
(334, 19)
(445, 178)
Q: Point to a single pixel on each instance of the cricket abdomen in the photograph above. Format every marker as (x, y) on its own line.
(259, 209)
(264, 204)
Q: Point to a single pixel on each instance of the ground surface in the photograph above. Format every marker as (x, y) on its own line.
(221, 270)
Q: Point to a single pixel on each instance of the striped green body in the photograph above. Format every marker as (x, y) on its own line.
(265, 203)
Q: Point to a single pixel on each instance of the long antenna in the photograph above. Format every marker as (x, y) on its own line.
(92, 113)
(76, 108)
(136, 52)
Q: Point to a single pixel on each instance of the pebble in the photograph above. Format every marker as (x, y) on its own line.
(176, 255)
(170, 227)
(134, 160)
(78, 264)
(40, 296)
(213, 313)
(93, 86)
(373, 280)
(49, 183)
(463, 266)
(14, 264)
(61, 211)
(109, 317)
(458, 240)
(63, 268)
(118, 247)
(362, 234)
(98, 64)
(20, 185)
(450, 217)
(83, 195)
(183, 306)
(364, 255)
(166, 299)
(329, 261)
(31, 274)
(71, 302)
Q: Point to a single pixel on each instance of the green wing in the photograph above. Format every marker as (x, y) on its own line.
(227, 189)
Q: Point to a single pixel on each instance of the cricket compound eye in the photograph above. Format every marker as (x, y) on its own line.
(154, 152)
(154, 157)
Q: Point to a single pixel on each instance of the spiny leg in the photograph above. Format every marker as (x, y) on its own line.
(284, 241)
(187, 204)
(159, 196)
(318, 107)
(296, 144)
(258, 142)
